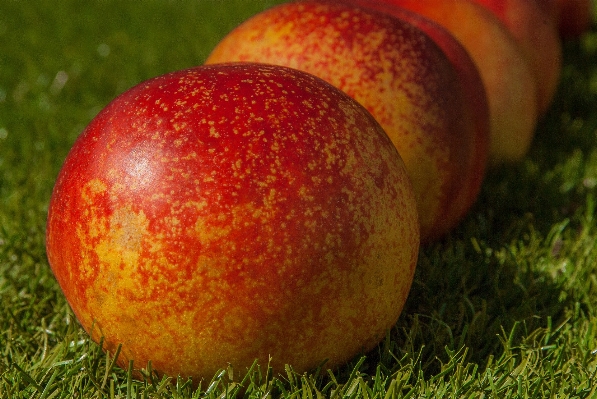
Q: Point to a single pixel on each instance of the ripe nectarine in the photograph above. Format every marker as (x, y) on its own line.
(476, 107)
(228, 213)
(532, 26)
(509, 81)
(400, 75)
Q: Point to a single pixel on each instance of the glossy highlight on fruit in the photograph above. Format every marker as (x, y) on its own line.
(227, 213)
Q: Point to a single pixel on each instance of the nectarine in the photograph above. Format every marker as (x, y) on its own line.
(476, 108)
(509, 81)
(228, 213)
(400, 75)
(532, 26)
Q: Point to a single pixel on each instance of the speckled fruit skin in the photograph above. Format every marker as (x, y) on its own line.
(475, 97)
(228, 213)
(398, 73)
(506, 72)
(532, 26)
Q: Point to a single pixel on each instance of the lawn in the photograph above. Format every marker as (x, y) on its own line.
(504, 307)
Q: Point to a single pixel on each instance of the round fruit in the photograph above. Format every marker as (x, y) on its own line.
(505, 70)
(228, 213)
(400, 75)
(530, 23)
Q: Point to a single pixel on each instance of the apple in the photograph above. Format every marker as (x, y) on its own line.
(505, 70)
(227, 213)
(531, 24)
(400, 75)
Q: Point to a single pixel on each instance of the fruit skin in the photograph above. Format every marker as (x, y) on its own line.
(225, 213)
(477, 109)
(531, 24)
(509, 82)
(399, 74)
(573, 17)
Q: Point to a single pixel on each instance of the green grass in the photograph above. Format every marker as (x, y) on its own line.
(504, 307)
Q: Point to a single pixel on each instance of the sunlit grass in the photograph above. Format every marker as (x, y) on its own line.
(503, 307)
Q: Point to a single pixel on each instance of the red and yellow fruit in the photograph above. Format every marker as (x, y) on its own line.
(477, 111)
(228, 213)
(401, 76)
(532, 26)
(508, 78)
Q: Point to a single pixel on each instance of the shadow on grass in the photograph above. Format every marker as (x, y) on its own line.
(508, 270)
